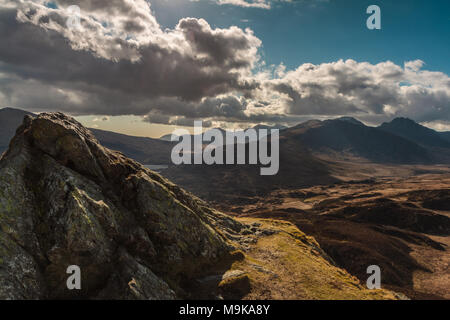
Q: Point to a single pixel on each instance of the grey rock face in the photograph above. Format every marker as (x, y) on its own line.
(66, 200)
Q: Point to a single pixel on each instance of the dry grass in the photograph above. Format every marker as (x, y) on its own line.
(290, 265)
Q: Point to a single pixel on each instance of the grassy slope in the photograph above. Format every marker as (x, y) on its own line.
(289, 265)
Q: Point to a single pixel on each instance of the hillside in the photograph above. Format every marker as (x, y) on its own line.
(297, 168)
(141, 149)
(347, 135)
(312, 153)
(400, 224)
(445, 135)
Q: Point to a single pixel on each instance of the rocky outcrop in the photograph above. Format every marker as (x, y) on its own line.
(66, 200)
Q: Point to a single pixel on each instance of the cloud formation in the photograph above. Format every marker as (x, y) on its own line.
(367, 90)
(263, 4)
(121, 62)
(115, 55)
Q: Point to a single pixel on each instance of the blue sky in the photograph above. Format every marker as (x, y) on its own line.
(324, 31)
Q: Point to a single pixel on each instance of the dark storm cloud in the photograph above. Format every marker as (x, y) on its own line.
(187, 63)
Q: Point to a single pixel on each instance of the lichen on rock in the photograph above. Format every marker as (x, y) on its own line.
(66, 200)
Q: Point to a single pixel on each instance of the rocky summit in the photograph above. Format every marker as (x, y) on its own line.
(66, 200)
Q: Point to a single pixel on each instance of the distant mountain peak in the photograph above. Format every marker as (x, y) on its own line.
(416, 132)
(404, 120)
(351, 120)
(9, 109)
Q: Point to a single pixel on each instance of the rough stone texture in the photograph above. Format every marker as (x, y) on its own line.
(66, 200)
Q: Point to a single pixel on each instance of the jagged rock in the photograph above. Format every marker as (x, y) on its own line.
(66, 200)
(234, 284)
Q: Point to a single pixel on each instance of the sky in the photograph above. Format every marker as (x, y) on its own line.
(147, 67)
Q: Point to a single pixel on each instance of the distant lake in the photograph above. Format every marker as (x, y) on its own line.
(156, 167)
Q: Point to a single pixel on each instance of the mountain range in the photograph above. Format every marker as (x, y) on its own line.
(310, 154)
(355, 138)
(399, 141)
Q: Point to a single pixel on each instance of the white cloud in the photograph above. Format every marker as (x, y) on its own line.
(364, 89)
(263, 4)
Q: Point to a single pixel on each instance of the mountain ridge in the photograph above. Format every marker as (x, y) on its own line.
(321, 134)
(413, 131)
(361, 140)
